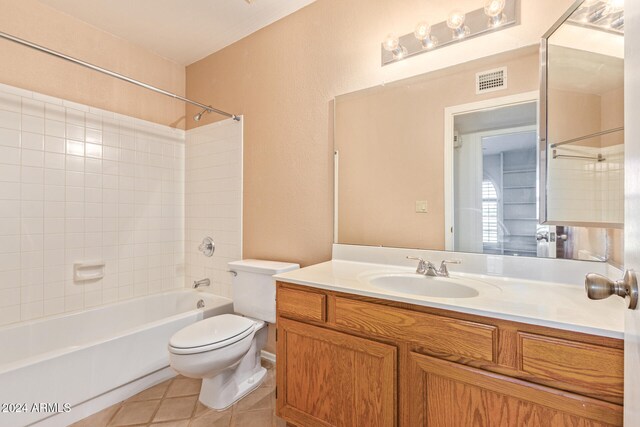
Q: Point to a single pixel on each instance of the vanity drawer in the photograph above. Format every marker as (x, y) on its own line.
(589, 369)
(442, 336)
(302, 305)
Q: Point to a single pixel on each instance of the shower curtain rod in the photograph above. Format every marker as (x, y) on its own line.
(114, 74)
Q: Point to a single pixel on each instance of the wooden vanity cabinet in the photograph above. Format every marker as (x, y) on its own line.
(347, 360)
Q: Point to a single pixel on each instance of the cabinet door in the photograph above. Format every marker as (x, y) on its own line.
(327, 378)
(447, 394)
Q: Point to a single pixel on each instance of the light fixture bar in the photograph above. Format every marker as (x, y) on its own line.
(477, 22)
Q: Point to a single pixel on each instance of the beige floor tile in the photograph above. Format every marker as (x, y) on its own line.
(131, 413)
(176, 408)
(155, 392)
(99, 419)
(269, 378)
(263, 418)
(174, 403)
(201, 410)
(184, 387)
(182, 423)
(213, 419)
(258, 399)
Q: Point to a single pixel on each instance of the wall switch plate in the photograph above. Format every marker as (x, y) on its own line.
(421, 206)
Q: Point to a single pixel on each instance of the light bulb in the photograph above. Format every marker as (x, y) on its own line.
(423, 30)
(391, 42)
(423, 34)
(494, 8)
(455, 21)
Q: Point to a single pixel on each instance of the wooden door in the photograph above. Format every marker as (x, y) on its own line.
(327, 378)
(632, 205)
(452, 395)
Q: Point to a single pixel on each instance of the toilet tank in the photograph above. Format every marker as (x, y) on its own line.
(254, 289)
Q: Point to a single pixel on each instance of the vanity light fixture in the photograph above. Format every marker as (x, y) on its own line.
(422, 33)
(458, 27)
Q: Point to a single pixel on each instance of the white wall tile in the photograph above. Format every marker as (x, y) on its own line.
(61, 203)
(33, 124)
(10, 137)
(9, 155)
(213, 188)
(10, 102)
(32, 141)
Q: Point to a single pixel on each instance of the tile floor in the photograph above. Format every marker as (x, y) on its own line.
(174, 403)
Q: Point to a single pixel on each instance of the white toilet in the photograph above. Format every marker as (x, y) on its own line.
(225, 350)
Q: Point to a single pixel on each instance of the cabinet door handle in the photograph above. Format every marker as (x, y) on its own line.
(601, 287)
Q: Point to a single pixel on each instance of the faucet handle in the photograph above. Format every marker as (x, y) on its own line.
(422, 264)
(443, 271)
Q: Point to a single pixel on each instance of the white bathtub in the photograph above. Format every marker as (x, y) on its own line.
(94, 358)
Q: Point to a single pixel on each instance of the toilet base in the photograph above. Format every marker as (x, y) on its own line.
(232, 384)
(219, 399)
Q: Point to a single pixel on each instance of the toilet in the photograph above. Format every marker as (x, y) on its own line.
(224, 350)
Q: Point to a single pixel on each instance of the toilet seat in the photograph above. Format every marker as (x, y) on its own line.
(211, 334)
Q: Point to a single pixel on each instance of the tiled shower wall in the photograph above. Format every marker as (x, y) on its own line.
(214, 202)
(80, 184)
(587, 190)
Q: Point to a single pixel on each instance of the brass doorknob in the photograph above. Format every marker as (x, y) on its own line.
(601, 287)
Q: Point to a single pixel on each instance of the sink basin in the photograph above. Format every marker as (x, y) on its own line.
(418, 284)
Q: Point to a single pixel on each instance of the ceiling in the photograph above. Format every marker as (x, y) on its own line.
(182, 31)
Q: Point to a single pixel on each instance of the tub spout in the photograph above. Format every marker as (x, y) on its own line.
(203, 282)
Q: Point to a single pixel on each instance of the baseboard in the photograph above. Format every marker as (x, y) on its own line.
(268, 356)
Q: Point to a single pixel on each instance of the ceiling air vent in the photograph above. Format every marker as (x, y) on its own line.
(491, 80)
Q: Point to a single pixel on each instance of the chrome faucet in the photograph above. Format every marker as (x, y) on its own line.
(428, 269)
(424, 267)
(203, 282)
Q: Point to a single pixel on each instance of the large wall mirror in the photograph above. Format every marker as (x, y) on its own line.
(435, 162)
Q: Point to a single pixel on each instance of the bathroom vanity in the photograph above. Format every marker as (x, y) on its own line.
(353, 354)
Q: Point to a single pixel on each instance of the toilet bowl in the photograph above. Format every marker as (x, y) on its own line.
(225, 350)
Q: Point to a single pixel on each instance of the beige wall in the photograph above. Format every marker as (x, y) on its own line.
(283, 79)
(391, 149)
(574, 114)
(28, 69)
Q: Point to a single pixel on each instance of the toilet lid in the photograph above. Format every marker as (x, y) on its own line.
(225, 328)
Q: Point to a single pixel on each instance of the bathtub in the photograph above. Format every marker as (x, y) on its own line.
(79, 363)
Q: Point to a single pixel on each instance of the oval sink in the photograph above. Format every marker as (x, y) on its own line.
(418, 284)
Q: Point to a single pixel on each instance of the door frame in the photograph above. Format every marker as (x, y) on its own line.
(449, 119)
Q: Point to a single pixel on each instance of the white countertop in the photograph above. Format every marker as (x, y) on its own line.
(556, 305)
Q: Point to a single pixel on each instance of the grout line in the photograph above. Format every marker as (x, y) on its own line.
(161, 400)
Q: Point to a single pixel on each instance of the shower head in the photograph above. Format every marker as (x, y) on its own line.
(198, 116)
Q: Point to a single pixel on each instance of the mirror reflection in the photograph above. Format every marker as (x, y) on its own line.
(432, 162)
(584, 112)
(495, 159)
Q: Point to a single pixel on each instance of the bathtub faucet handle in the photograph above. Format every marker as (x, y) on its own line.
(203, 282)
(207, 247)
